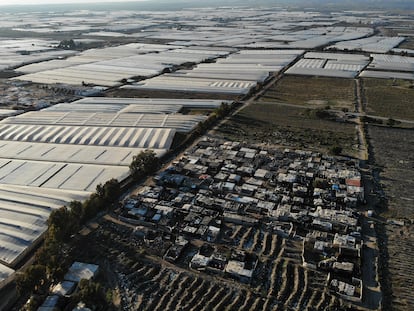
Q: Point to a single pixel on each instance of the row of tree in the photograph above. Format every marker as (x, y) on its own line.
(218, 114)
(53, 258)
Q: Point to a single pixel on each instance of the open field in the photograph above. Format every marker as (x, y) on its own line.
(393, 151)
(388, 98)
(313, 91)
(288, 126)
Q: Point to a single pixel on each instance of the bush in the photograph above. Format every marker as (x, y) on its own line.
(391, 122)
(336, 150)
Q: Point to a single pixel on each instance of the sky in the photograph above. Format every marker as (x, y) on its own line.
(22, 2)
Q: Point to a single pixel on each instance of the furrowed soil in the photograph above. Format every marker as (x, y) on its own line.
(144, 281)
(393, 153)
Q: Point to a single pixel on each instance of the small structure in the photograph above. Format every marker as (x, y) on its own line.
(237, 269)
(81, 307)
(64, 288)
(79, 271)
(50, 303)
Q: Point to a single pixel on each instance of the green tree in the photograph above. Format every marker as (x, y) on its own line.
(92, 294)
(92, 206)
(67, 44)
(143, 164)
(223, 110)
(336, 150)
(31, 279)
(63, 224)
(110, 191)
(391, 122)
(76, 209)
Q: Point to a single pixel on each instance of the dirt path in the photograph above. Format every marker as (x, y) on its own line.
(372, 295)
(360, 108)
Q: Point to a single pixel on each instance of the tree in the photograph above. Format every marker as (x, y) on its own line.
(223, 110)
(391, 122)
(67, 44)
(76, 210)
(63, 223)
(110, 191)
(91, 293)
(336, 150)
(144, 163)
(32, 278)
(92, 206)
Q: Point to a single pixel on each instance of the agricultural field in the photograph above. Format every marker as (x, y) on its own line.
(401, 265)
(267, 123)
(407, 44)
(313, 92)
(142, 280)
(389, 98)
(392, 151)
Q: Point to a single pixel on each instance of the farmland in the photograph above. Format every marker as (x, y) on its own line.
(389, 98)
(146, 282)
(313, 91)
(267, 123)
(262, 218)
(393, 154)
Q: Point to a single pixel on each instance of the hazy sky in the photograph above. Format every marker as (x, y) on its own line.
(14, 2)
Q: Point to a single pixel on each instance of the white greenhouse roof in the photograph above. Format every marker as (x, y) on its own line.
(188, 103)
(179, 122)
(5, 273)
(108, 66)
(133, 108)
(390, 67)
(189, 84)
(81, 154)
(329, 65)
(23, 217)
(376, 44)
(387, 74)
(67, 176)
(155, 138)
